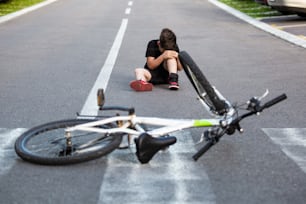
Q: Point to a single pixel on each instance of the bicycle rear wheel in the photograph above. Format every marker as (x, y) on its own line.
(202, 86)
(46, 144)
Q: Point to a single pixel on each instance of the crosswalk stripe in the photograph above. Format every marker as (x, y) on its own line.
(7, 152)
(292, 142)
(169, 176)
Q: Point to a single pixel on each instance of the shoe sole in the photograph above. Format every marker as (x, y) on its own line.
(174, 87)
(138, 86)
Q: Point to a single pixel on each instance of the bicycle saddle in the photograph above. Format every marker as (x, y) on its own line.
(147, 146)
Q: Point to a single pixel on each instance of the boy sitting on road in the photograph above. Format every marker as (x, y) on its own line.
(161, 65)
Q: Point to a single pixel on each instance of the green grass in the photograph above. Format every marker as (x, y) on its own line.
(251, 8)
(11, 6)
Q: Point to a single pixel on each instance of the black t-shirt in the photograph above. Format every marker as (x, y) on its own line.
(160, 74)
(153, 51)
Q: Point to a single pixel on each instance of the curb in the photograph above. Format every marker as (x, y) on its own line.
(263, 26)
(16, 14)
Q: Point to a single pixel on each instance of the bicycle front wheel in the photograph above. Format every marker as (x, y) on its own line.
(202, 86)
(46, 144)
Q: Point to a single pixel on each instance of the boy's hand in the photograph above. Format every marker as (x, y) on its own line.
(169, 54)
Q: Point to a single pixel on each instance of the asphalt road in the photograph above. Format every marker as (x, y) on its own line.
(50, 60)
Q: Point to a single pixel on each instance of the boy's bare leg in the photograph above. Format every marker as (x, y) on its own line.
(173, 76)
(171, 65)
(142, 74)
(141, 83)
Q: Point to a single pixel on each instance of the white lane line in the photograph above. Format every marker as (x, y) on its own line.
(90, 107)
(292, 142)
(25, 11)
(127, 11)
(170, 177)
(7, 152)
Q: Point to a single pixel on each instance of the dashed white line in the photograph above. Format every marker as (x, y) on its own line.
(127, 11)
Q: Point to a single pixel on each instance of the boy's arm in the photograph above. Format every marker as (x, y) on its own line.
(153, 62)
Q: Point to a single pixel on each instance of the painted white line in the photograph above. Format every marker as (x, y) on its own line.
(7, 152)
(170, 177)
(292, 26)
(127, 11)
(25, 11)
(90, 107)
(130, 3)
(292, 142)
(263, 26)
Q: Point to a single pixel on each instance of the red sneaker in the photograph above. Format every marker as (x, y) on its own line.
(139, 85)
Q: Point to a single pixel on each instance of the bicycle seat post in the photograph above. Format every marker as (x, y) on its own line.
(100, 98)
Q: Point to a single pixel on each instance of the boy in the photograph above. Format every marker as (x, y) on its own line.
(162, 64)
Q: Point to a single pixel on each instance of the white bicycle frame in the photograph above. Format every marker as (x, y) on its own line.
(135, 121)
(131, 124)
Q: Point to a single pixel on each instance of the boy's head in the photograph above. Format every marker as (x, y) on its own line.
(167, 39)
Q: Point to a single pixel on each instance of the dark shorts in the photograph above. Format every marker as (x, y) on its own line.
(159, 76)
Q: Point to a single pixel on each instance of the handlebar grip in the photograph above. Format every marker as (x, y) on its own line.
(202, 150)
(274, 101)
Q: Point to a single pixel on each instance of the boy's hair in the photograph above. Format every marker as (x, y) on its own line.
(167, 39)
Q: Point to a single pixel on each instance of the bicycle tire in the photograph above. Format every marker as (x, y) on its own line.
(46, 144)
(202, 86)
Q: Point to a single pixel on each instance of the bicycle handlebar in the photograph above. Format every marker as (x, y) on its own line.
(274, 101)
(204, 149)
(235, 124)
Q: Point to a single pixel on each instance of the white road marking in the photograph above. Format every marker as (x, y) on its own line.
(7, 152)
(292, 142)
(291, 26)
(127, 11)
(90, 107)
(169, 177)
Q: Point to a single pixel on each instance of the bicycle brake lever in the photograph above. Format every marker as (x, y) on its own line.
(264, 95)
(254, 102)
(208, 135)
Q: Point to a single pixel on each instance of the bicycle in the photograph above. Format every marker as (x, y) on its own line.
(78, 140)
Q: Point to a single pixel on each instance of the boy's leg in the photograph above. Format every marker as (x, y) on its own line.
(142, 74)
(173, 76)
(141, 83)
